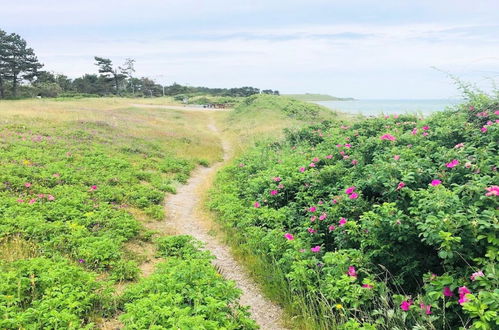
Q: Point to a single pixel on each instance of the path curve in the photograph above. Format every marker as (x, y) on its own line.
(182, 216)
(177, 107)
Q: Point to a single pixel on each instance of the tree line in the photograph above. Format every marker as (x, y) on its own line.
(21, 76)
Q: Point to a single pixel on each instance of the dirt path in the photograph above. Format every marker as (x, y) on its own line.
(177, 107)
(182, 216)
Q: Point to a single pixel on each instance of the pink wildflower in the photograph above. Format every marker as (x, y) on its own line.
(342, 222)
(50, 197)
(496, 112)
(367, 286)
(316, 249)
(274, 192)
(405, 305)
(459, 145)
(94, 187)
(329, 156)
(81, 261)
(452, 163)
(311, 165)
(353, 196)
(425, 128)
(388, 137)
(447, 292)
(339, 145)
(350, 190)
(426, 308)
(334, 201)
(396, 157)
(56, 175)
(355, 162)
(20, 200)
(241, 165)
(256, 205)
(41, 195)
(27, 184)
(320, 202)
(346, 157)
(425, 133)
(483, 129)
(435, 182)
(302, 169)
(323, 216)
(316, 159)
(414, 131)
(276, 179)
(331, 228)
(289, 236)
(475, 275)
(342, 153)
(400, 185)
(311, 230)
(312, 209)
(463, 291)
(313, 218)
(32, 201)
(492, 191)
(348, 145)
(351, 271)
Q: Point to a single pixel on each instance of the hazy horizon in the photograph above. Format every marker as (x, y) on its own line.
(354, 49)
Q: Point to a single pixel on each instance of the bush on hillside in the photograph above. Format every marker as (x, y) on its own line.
(390, 222)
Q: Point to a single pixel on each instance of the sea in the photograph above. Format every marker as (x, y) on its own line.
(390, 107)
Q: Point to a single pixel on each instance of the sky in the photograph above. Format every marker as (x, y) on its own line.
(396, 49)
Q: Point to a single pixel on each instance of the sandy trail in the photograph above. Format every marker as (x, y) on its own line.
(178, 107)
(182, 216)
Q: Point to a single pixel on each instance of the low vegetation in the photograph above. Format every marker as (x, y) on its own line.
(75, 195)
(318, 97)
(384, 223)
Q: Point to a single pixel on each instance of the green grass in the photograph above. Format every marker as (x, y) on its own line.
(317, 97)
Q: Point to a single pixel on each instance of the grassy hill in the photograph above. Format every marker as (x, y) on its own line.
(317, 97)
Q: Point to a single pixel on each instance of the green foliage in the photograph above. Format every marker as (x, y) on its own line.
(289, 106)
(395, 227)
(71, 190)
(184, 292)
(41, 293)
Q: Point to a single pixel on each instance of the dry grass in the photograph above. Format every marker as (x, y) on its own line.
(15, 248)
(182, 132)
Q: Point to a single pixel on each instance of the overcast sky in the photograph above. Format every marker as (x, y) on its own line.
(358, 48)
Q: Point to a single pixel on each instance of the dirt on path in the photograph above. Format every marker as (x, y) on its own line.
(181, 210)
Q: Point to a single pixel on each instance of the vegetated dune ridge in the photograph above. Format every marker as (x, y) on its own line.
(387, 222)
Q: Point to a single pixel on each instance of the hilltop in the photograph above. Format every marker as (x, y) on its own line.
(318, 97)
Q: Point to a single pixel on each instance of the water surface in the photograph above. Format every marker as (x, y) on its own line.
(389, 107)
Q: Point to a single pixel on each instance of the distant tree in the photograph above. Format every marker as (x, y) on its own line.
(92, 84)
(3, 62)
(128, 69)
(150, 88)
(276, 93)
(17, 61)
(64, 82)
(268, 91)
(107, 70)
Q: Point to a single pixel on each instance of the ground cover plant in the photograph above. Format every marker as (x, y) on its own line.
(75, 192)
(387, 223)
(185, 292)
